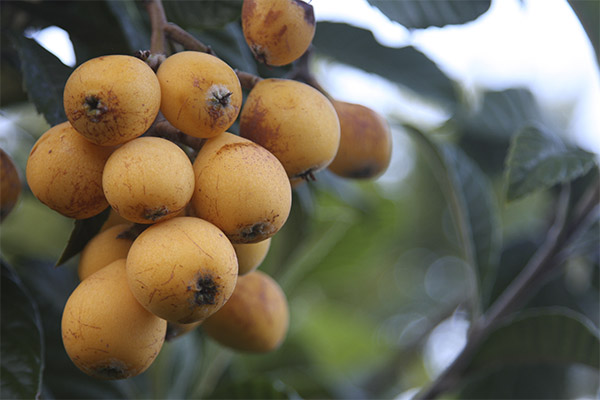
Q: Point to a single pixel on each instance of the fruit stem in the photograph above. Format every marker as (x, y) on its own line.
(158, 20)
(247, 80)
(189, 42)
(163, 128)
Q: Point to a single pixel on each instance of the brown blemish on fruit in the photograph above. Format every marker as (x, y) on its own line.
(309, 14)
(205, 290)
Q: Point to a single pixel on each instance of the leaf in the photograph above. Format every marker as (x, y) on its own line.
(202, 14)
(588, 13)
(517, 382)
(553, 336)
(500, 114)
(539, 160)
(230, 45)
(261, 388)
(131, 22)
(22, 343)
(473, 207)
(45, 77)
(425, 13)
(83, 231)
(405, 66)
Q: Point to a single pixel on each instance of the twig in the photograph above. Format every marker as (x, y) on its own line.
(247, 80)
(158, 20)
(189, 42)
(162, 128)
(541, 264)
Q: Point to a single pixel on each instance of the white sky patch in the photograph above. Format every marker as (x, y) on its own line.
(57, 42)
(538, 44)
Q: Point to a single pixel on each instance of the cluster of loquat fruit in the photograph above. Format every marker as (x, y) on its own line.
(195, 223)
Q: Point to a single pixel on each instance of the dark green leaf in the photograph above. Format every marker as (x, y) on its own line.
(539, 160)
(425, 13)
(191, 14)
(229, 44)
(472, 203)
(45, 77)
(405, 66)
(588, 12)
(540, 336)
(83, 231)
(517, 382)
(257, 388)
(22, 360)
(131, 22)
(500, 114)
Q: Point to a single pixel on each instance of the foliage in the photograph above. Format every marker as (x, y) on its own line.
(497, 220)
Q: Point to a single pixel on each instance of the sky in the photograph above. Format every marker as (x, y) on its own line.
(538, 44)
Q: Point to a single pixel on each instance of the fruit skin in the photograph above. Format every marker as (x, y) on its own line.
(148, 179)
(182, 270)
(365, 144)
(201, 94)
(293, 121)
(64, 171)
(241, 188)
(251, 255)
(112, 99)
(256, 317)
(105, 331)
(103, 249)
(10, 185)
(278, 31)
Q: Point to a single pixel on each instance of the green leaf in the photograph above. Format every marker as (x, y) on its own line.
(517, 382)
(261, 388)
(539, 160)
(131, 22)
(83, 231)
(425, 13)
(553, 336)
(500, 114)
(588, 12)
(473, 206)
(22, 343)
(405, 66)
(202, 14)
(45, 77)
(229, 44)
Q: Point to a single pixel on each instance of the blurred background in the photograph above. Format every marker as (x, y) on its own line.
(381, 297)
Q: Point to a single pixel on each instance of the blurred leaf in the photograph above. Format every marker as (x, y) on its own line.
(229, 44)
(22, 358)
(405, 66)
(261, 388)
(131, 22)
(517, 382)
(202, 14)
(45, 77)
(472, 203)
(540, 336)
(539, 160)
(500, 114)
(83, 231)
(93, 28)
(425, 13)
(588, 13)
